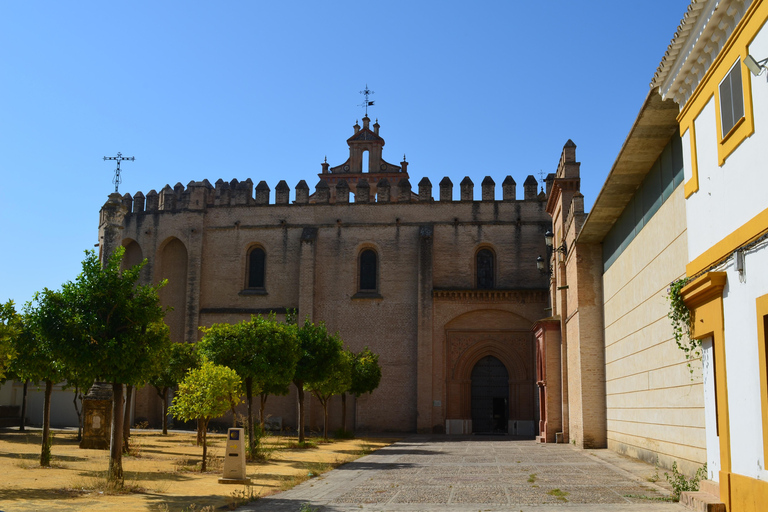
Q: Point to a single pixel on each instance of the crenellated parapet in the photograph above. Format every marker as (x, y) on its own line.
(201, 195)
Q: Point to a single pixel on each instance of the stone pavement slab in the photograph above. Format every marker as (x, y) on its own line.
(486, 473)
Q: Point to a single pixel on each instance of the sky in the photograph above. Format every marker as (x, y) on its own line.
(266, 90)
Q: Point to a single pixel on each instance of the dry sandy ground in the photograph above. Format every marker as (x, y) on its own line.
(161, 472)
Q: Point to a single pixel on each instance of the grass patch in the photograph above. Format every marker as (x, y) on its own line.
(241, 497)
(101, 484)
(305, 445)
(343, 434)
(560, 495)
(650, 498)
(531, 478)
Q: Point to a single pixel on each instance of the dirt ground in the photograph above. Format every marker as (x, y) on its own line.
(160, 474)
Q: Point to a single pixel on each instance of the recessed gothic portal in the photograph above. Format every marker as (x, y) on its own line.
(490, 397)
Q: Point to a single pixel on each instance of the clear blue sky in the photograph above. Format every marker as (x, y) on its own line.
(265, 90)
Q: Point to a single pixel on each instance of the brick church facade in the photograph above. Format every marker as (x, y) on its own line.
(445, 289)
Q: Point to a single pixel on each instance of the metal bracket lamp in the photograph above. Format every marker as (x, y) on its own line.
(549, 241)
(756, 67)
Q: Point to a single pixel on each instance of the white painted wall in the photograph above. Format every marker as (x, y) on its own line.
(742, 362)
(737, 190)
(713, 440)
(62, 409)
(728, 197)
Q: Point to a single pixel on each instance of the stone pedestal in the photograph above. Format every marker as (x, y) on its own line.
(97, 417)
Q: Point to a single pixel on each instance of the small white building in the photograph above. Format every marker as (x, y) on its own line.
(723, 120)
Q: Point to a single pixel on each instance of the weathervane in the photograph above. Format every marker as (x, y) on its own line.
(366, 92)
(541, 178)
(117, 180)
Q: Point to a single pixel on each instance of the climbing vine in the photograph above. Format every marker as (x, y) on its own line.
(681, 319)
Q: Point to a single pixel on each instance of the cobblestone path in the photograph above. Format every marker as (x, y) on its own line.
(479, 473)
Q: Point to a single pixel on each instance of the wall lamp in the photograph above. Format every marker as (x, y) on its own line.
(549, 240)
(755, 66)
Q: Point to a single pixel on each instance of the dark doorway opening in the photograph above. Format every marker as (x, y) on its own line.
(490, 397)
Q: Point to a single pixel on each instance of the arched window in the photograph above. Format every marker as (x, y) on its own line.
(256, 260)
(484, 269)
(368, 271)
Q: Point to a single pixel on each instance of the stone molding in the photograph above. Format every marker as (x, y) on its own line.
(492, 296)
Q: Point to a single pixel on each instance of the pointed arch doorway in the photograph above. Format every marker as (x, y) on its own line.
(490, 397)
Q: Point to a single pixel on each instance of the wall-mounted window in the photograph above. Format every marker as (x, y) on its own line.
(368, 271)
(256, 269)
(484, 269)
(731, 99)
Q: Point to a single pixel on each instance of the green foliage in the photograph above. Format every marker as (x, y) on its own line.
(9, 329)
(340, 433)
(181, 357)
(262, 351)
(337, 376)
(106, 326)
(682, 321)
(366, 372)
(206, 392)
(103, 321)
(319, 352)
(680, 483)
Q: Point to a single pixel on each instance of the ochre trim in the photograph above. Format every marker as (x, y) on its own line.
(704, 297)
(762, 325)
(748, 494)
(736, 47)
(692, 185)
(749, 231)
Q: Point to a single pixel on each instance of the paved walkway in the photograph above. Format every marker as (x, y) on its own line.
(423, 473)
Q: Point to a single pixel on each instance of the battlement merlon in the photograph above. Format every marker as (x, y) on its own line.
(201, 195)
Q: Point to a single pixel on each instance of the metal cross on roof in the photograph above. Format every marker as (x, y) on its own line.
(117, 180)
(366, 92)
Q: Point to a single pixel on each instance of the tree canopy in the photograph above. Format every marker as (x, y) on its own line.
(320, 352)
(103, 326)
(366, 372)
(205, 393)
(9, 329)
(181, 358)
(261, 350)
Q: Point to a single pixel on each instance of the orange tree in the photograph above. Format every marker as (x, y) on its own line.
(206, 393)
(102, 323)
(365, 377)
(262, 351)
(320, 353)
(181, 358)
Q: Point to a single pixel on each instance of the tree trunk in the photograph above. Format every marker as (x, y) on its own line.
(79, 415)
(262, 405)
(325, 417)
(45, 454)
(249, 398)
(127, 417)
(23, 419)
(204, 423)
(165, 410)
(344, 412)
(300, 397)
(115, 474)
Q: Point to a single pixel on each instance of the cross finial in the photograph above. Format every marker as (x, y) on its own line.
(366, 92)
(119, 158)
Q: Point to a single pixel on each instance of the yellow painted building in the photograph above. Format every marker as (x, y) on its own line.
(714, 70)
